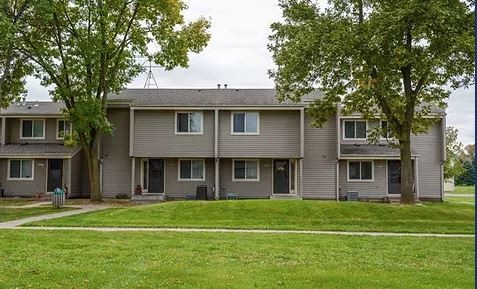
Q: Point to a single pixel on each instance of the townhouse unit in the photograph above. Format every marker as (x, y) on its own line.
(242, 141)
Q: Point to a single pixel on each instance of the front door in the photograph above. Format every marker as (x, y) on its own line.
(394, 176)
(55, 174)
(156, 176)
(281, 173)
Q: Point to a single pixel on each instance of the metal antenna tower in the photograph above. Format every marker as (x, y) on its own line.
(150, 80)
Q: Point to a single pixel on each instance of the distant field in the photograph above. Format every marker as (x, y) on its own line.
(287, 215)
(463, 190)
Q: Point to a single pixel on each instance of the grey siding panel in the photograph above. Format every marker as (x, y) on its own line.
(279, 136)
(319, 162)
(179, 189)
(154, 136)
(13, 132)
(116, 160)
(376, 189)
(429, 147)
(24, 188)
(247, 189)
(76, 175)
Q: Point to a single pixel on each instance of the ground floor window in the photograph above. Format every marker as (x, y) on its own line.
(192, 170)
(20, 169)
(245, 170)
(360, 171)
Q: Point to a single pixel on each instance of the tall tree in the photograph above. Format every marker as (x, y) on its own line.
(453, 165)
(13, 65)
(392, 59)
(86, 49)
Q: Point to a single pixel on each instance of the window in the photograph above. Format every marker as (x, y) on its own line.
(33, 128)
(62, 127)
(245, 123)
(20, 169)
(360, 171)
(246, 170)
(355, 129)
(385, 130)
(189, 123)
(191, 170)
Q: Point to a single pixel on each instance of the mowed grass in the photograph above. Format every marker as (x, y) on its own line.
(8, 214)
(462, 190)
(72, 259)
(288, 215)
(469, 200)
(16, 201)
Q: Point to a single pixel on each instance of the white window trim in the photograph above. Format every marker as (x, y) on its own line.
(387, 138)
(360, 181)
(58, 126)
(32, 120)
(246, 180)
(354, 120)
(201, 132)
(21, 179)
(191, 179)
(245, 123)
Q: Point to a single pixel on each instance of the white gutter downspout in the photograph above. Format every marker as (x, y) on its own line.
(302, 147)
(216, 154)
(338, 152)
(131, 149)
(444, 154)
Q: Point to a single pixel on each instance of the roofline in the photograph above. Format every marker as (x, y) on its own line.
(371, 157)
(41, 156)
(213, 107)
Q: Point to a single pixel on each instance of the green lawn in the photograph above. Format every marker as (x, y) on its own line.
(470, 200)
(72, 259)
(275, 214)
(8, 214)
(463, 190)
(15, 201)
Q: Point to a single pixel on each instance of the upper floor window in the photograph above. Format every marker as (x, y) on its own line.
(191, 170)
(360, 171)
(33, 128)
(245, 122)
(189, 123)
(355, 129)
(20, 169)
(385, 130)
(63, 127)
(246, 170)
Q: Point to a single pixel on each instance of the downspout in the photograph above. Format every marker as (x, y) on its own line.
(444, 154)
(2, 140)
(302, 147)
(131, 149)
(338, 150)
(216, 154)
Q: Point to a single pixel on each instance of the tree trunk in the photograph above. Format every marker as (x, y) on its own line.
(94, 174)
(407, 188)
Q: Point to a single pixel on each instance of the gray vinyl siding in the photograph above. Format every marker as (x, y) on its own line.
(155, 136)
(115, 154)
(179, 189)
(376, 189)
(76, 175)
(23, 188)
(13, 131)
(279, 136)
(429, 148)
(247, 189)
(319, 162)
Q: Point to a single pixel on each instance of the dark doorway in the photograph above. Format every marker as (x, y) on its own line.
(281, 173)
(156, 176)
(55, 174)
(394, 176)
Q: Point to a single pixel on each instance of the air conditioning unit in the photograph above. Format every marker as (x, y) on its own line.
(352, 196)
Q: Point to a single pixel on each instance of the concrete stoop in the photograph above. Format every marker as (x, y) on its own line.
(285, 197)
(148, 198)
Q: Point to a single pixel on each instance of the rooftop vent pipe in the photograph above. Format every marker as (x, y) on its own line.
(218, 86)
(225, 86)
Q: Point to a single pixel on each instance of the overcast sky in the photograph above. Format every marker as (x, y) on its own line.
(237, 55)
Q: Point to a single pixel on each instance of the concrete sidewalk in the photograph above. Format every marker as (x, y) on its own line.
(81, 210)
(245, 231)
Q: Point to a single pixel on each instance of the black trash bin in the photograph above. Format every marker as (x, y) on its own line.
(201, 192)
